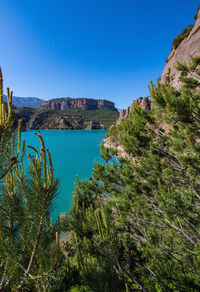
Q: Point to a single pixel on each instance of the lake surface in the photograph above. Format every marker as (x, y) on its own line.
(73, 153)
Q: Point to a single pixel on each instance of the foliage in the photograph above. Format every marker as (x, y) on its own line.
(196, 15)
(134, 225)
(68, 119)
(183, 35)
(30, 257)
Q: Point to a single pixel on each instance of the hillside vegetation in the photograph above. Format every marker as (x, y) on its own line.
(134, 225)
(66, 119)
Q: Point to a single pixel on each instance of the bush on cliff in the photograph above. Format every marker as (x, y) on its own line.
(185, 33)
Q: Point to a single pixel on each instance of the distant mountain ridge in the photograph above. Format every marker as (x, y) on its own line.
(83, 103)
(64, 103)
(68, 114)
(33, 102)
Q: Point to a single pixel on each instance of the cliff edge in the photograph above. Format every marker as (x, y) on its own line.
(68, 103)
(190, 46)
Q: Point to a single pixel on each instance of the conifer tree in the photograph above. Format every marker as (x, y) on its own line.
(134, 225)
(29, 253)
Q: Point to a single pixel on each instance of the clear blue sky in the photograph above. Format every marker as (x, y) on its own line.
(88, 48)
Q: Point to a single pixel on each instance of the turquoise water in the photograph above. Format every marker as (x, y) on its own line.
(73, 153)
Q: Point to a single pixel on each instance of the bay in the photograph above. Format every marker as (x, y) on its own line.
(73, 153)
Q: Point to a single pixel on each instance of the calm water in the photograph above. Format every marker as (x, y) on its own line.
(73, 153)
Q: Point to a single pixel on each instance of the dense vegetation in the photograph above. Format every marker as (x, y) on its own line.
(28, 247)
(68, 120)
(134, 225)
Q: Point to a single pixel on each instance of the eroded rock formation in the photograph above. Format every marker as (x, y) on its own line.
(77, 103)
(144, 102)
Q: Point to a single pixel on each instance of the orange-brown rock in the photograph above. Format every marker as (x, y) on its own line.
(77, 103)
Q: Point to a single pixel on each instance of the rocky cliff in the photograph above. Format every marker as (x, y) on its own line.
(68, 103)
(68, 114)
(187, 44)
(144, 102)
(74, 119)
(190, 46)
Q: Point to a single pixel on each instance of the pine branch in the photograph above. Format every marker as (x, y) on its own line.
(32, 254)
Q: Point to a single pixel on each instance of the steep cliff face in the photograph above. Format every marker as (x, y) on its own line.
(68, 103)
(69, 114)
(190, 46)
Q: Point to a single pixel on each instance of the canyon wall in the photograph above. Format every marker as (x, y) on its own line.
(77, 103)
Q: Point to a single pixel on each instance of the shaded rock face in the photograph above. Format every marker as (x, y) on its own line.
(23, 114)
(77, 103)
(188, 47)
(50, 119)
(61, 122)
(37, 119)
(144, 102)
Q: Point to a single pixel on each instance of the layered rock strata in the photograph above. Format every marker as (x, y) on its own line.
(68, 103)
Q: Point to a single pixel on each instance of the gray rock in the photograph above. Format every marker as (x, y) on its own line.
(144, 102)
(188, 47)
